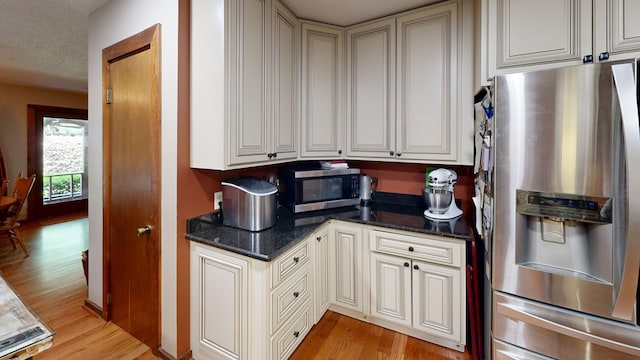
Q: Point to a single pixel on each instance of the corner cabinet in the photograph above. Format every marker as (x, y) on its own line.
(574, 31)
(322, 91)
(409, 85)
(244, 66)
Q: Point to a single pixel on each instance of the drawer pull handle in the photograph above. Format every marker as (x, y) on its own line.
(410, 248)
(296, 294)
(406, 264)
(416, 267)
(296, 333)
(296, 259)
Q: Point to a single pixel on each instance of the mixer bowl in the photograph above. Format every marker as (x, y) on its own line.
(437, 200)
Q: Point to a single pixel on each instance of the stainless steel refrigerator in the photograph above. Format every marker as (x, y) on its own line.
(566, 227)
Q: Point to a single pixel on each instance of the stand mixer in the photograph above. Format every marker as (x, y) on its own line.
(438, 197)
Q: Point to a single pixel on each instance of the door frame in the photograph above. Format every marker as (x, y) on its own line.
(147, 40)
(35, 208)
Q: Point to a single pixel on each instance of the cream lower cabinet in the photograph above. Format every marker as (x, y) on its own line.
(417, 282)
(219, 304)
(321, 271)
(345, 268)
(243, 308)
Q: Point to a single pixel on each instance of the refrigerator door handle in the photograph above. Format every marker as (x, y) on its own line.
(516, 313)
(624, 81)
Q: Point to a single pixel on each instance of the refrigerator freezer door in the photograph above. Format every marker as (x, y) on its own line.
(560, 333)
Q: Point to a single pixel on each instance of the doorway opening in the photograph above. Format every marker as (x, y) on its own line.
(58, 155)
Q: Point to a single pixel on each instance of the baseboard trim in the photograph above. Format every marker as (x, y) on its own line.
(162, 354)
(93, 308)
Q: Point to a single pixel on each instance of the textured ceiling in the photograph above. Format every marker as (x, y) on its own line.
(43, 43)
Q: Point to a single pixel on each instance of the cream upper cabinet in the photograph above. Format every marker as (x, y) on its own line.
(371, 67)
(434, 77)
(322, 95)
(410, 86)
(617, 29)
(285, 83)
(513, 38)
(237, 119)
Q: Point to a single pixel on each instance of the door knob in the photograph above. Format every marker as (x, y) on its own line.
(143, 230)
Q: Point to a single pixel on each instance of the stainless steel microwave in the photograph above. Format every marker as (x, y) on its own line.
(308, 189)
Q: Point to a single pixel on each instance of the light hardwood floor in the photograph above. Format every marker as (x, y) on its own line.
(51, 282)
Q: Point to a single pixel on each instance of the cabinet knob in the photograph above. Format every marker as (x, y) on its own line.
(275, 155)
(391, 153)
(318, 238)
(399, 154)
(603, 56)
(587, 59)
(416, 267)
(269, 155)
(339, 152)
(406, 264)
(410, 248)
(296, 333)
(296, 294)
(296, 259)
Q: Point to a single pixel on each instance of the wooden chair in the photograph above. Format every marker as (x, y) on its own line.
(21, 190)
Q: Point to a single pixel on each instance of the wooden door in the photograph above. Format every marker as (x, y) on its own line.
(131, 130)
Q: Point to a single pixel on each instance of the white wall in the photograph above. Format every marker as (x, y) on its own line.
(116, 21)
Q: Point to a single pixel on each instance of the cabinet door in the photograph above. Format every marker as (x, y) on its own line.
(438, 303)
(371, 87)
(427, 77)
(616, 28)
(285, 48)
(322, 299)
(391, 288)
(219, 324)
(346, 267)
(322, 91)
(519, 40)
(248, 77)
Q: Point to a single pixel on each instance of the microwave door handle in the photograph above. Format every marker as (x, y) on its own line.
(624, 84)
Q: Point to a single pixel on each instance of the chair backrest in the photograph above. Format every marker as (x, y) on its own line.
(4, 184)
(21, 190)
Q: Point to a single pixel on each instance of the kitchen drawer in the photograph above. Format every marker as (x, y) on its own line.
(291, 334)
(288, 297)
(431, 249)
(286, 265)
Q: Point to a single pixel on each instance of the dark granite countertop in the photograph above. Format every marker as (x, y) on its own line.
(394, 211)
